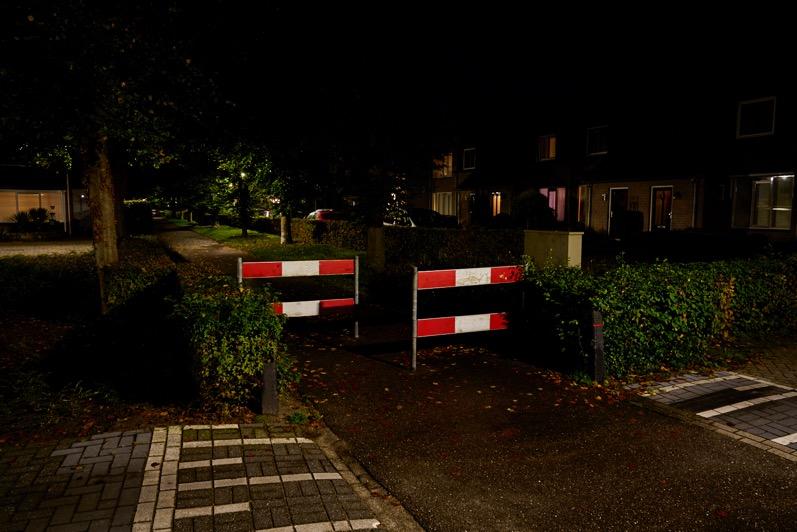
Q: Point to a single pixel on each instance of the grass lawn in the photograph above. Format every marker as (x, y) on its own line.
(263, 246)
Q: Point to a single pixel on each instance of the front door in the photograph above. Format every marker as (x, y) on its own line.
(618, 207)
(661, 209)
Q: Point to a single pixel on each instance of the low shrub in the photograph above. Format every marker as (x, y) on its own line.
(450, 248)
(660, 314)
(339, 233)
(231, 332)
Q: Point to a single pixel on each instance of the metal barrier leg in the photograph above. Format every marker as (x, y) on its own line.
(414, 316)
(356, 295)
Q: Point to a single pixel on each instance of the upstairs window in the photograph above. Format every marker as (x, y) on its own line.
(444, 165)
(547, 148)
(469, 159)
(598, 140)
(756, 118)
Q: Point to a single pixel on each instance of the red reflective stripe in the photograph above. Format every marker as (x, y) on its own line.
(335, 267)
(277, 308)
(436, 326)
(437, 279)
(335, 303)
(499, 321)
(251, 270)
(506, 274)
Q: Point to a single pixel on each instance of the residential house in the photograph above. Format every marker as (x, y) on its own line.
(23, 188)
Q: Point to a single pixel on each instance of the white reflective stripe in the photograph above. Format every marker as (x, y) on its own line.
(473, 276)
(297, 309)
(788, 439)
(299, 268)
(472, 323)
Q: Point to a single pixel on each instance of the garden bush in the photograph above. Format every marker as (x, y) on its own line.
(338, 233)
(660, 314)
(231, 333)
(450, 248)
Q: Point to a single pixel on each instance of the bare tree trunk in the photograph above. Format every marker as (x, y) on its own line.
(285, 229)
(243, 208)
(102, 205)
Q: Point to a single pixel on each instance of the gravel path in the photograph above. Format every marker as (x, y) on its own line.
(10, 249)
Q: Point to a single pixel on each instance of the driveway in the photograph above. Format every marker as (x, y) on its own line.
(477, 441)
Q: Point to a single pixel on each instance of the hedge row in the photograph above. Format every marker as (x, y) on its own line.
(231, 333)
(339, 233)
(662, 314)
(450, 248)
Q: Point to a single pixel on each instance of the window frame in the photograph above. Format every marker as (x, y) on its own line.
(761, 178)
(465, 158)
(593, 128)
(548, 147)
(739, 117)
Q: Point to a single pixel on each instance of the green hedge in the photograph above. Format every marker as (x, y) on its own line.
(450, 248)
(661, 314)
(231, 332)
(338, 233)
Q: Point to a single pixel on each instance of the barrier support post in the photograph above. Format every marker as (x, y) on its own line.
(414, 317)
(240, 272)
(356, 296)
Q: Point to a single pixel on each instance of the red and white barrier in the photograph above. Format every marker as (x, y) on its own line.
(495, 321)
(299, 309)
(305, 268)
(469, 277)
(296, 268)
(435, 279)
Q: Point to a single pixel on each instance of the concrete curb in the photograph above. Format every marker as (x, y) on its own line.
(388, 510)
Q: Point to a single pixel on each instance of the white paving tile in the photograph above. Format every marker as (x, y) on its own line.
(273, 479)
(222, 427)
(188, 486)
(745, 404)
(297, 477)
(327, 476)
(226, 443)
(194, 464)
(196, 444)
(182, 513)
(364, 523)
(257, 441)
(227, 461)
(227, 482)
(787, 439)
(230, 508)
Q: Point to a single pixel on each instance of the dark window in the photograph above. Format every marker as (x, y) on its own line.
(469, 159)
(597, 140)
(547, 147)
(756, 118)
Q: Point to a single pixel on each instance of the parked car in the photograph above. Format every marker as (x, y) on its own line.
(325, 215)
(418, 217)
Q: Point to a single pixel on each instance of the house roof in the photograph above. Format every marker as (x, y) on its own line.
(18, 177)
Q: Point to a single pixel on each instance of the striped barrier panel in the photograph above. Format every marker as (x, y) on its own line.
(436, 279)
(305, 268)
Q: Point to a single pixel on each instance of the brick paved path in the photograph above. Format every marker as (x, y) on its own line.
(192, 478)
(776, 363)
(750, 409)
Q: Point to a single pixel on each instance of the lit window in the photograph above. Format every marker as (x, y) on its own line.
(547, 147)
(443, 202)
(772, 202)
(756, 118)
(495, 201)
(469, 159)
(444, 165)
(598, 140)
(556, 201)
